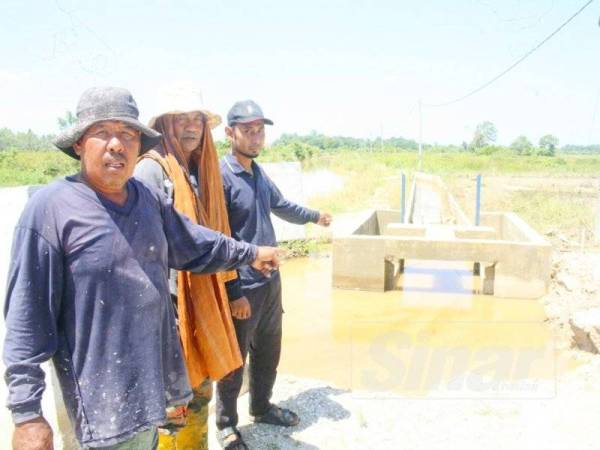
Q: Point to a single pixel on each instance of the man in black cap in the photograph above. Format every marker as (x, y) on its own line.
(88, 287)
(251, 197)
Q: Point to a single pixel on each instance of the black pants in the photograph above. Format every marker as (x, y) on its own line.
(260, 336)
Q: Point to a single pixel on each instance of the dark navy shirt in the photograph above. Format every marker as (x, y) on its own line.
(250, 199)
(88, 288)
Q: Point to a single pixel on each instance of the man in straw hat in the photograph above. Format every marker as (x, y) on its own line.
(186, 167)
(88, 287)
(251, 196)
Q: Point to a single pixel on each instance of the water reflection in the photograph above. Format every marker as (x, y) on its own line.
(434, 337)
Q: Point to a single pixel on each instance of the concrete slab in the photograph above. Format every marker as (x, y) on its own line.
(516, 258)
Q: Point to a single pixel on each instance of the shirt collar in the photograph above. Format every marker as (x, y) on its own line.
(234, 164)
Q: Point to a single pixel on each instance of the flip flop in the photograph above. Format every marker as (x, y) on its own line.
(278, 416)
(231, 439)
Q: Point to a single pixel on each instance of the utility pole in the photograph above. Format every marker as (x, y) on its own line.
(597, 233)
(420, 135)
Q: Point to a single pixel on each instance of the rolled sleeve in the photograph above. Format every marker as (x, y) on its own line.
(25, 413)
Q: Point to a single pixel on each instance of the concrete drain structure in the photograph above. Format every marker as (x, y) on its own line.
(515, 260)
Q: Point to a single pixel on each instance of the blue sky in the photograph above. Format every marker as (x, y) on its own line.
(354, 68)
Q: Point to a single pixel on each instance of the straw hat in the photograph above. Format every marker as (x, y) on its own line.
(179, 99)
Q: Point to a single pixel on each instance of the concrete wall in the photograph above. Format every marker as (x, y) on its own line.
(359, 263)
(459, 232)
(387, 217)
(370, 226)
(517, 268)
(287, 176)
(511, 227)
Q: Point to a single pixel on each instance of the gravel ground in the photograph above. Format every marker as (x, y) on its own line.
(338, 419)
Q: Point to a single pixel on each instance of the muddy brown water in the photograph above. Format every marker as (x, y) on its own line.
(434, 336)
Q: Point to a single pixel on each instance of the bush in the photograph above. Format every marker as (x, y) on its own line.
(34, 167)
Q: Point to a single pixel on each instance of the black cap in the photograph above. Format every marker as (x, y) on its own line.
(246, 111)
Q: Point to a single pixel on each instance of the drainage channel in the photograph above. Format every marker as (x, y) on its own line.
(436, 336)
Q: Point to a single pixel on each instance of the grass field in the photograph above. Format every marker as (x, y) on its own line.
(556, 195)
(19, 167)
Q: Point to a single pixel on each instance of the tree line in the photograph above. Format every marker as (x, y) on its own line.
(300, 147)
(486, 133)
(28, 140)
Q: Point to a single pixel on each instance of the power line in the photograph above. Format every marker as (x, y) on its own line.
(512, 66)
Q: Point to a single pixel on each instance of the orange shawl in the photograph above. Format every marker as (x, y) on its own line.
(205, 326)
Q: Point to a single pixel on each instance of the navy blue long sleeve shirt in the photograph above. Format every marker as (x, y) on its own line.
(88, 288)
(250, 199)
(153, 175)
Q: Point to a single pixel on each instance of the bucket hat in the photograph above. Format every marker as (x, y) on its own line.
(98, 104)
(184, 98)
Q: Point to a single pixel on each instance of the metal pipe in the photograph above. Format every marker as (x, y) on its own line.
(478, 201)
(597, 233)
(403, 199)
(420, 136)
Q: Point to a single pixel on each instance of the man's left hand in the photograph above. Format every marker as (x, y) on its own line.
(240, 308)
(324, 219)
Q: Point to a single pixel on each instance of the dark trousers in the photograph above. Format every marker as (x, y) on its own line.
(260, 337)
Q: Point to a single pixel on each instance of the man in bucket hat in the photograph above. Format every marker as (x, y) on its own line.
(88, 287)
(251, 196)
(186, 167)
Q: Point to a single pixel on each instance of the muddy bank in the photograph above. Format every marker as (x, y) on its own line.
(575, 288)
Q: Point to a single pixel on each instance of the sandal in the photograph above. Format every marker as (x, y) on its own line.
(278, 416)
(231, 439)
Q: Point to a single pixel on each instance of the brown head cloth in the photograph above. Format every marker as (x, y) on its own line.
(205, 326)
(213, 213)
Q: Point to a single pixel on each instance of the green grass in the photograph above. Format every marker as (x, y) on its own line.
(372, 180)
(33, 167)
(554, 195)
(460, 162)
(305, 247)
(20, 168)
